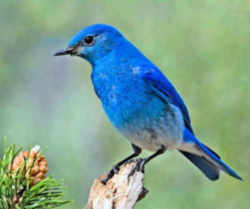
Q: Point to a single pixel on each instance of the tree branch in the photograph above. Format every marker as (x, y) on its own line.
(120, 192)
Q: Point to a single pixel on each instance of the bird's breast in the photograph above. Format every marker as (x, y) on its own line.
(123, 96)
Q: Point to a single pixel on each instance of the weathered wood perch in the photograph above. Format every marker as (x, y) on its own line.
(120, 192)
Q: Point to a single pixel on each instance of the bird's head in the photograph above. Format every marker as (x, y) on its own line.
(93, 42)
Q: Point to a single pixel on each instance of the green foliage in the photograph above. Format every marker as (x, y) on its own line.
(15, 189)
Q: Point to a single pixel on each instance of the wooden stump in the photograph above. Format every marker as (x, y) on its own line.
(120, 192)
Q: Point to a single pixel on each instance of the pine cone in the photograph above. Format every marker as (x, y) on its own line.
(33, 162)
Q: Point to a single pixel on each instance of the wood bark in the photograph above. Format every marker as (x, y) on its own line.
(123, 191)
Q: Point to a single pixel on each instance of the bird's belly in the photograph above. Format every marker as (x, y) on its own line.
(152, 132)
(145, 141)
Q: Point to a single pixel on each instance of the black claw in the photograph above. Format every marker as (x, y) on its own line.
(111, 173)
(116, 169)
(104, 182)
(139, 166)
(109, 176)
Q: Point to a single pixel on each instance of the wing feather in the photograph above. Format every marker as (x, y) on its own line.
(162, 86)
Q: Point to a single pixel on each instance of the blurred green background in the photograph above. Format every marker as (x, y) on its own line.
(202, 46)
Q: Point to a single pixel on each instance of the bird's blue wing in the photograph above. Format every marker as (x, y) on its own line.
(162, 86)
(208, 162)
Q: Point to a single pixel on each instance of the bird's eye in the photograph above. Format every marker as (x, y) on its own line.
(89, 40)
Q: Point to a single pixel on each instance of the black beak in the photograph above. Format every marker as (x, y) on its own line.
(67, 51)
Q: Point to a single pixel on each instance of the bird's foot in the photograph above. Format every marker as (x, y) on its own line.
(139, 166)
(110, 174)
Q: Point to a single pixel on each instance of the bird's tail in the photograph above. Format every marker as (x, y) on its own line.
(204, 158)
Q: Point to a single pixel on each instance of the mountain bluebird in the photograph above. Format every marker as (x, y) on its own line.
(140, 101)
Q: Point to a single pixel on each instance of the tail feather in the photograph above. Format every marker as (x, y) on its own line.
(212, 151)
(223, 166)
(210, 170)
(204, 158)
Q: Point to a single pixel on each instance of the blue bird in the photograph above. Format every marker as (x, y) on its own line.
(140, 101)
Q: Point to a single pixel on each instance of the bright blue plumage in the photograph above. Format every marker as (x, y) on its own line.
(139, 100)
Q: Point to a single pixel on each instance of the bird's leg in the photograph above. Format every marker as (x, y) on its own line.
(140, 165)
(116, 168)
(160, 151)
